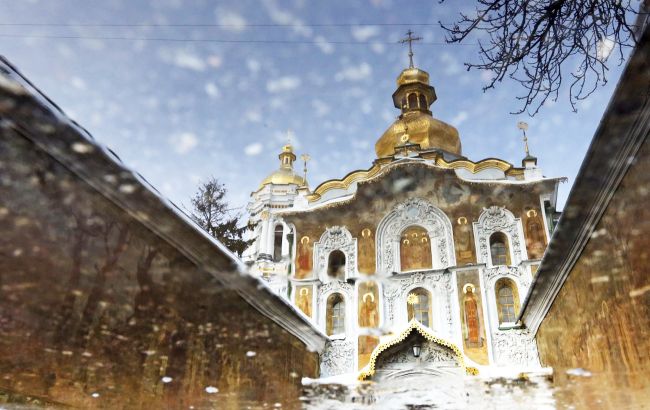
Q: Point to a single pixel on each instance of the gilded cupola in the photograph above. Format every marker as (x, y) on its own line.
(414, 96)
(285, 174)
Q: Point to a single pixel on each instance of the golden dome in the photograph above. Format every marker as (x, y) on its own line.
(285, 174)
(412, 75)
(413, 97)
(423, 130)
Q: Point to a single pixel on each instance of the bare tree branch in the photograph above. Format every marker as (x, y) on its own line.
(537, 42)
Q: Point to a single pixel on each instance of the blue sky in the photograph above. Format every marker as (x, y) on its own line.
(179, 111)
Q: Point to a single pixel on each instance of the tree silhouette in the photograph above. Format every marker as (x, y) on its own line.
(211, 211)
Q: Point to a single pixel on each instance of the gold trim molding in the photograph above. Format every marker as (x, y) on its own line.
(377, 168)
(369, 370)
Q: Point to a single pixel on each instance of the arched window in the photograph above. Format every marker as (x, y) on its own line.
(413, 101)
(418, 306)
(277, 243)
(423, 102)
(336, 265)
(335, 314)
(499, 249)
(507, 300)
(415, 249)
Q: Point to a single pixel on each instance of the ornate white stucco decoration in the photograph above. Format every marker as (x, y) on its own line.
(337, 358)
(438, 283)
(519, 274)
(335, 238)
(431, 355)
(414, 211)
(499, 219)
(515, 347)
(335, 287)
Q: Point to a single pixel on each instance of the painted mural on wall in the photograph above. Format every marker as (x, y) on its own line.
(415, 249)
(367, 251)
(304, 257)
(366, 345)
(368, 304)
(464, 240)
(535, 236)
(472, 318)
(304, 299)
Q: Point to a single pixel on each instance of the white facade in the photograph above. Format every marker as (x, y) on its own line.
(507, 345)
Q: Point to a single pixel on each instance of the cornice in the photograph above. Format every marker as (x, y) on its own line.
(437, 161)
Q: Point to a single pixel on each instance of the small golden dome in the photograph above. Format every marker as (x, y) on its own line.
(423, 130)
(283, 176)
(413, 75)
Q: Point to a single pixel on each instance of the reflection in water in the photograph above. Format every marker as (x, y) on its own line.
(564, 389)
(101, 310)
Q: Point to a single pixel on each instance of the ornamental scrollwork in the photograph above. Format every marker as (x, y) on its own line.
(337, 358)
(414, 211)
(336, 238)
(498, 219)
(521, 274)
(515, 347)
(431, 354)
(391, 295)
(335, 287)
(502, 270)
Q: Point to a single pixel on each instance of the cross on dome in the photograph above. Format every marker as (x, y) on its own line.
(410, 39)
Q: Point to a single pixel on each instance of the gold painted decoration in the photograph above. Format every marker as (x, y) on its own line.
(366, 345)
(414, 325)
(472, 324)
(368, 304)
(472, 317)
(464, 241)
(378, 169)
(535, 237)
(304, 299)
(304, 257)
(415, 249)
(366, 252)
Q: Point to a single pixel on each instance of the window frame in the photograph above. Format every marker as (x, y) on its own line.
(417, 311)
(335, 304)
(514, 294)
(336, 275)
(502, 239)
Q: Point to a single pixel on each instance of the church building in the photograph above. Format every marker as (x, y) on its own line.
(425, 257)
